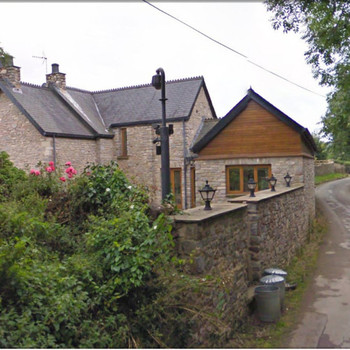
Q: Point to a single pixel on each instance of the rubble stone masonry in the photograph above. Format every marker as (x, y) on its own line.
(236, 243)
(16, 128)
(300, 168)
(144, 166)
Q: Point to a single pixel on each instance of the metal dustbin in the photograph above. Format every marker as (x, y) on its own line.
(277, 281)
(268, 303)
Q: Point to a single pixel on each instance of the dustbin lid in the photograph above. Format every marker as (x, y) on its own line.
(271, 279)
(275, 271)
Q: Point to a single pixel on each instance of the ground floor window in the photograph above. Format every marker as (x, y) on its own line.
(237, 177)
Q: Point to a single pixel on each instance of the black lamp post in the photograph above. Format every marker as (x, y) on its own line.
(207, 194)
(251, 186)
(272, 181)
(288, 179)
(158, 81)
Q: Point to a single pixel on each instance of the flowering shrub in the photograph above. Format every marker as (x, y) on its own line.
(35, 172)
(79, 264)
(70, 171)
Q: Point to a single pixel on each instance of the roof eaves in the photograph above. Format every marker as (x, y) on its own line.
(309, 140)
(76, 136)
(4, 88)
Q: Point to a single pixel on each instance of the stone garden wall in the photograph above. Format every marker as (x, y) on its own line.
(218, 241)
(236, 241)
(324, 167)
(278, 225)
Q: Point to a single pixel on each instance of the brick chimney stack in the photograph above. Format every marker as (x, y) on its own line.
(57, 78)
(11, 73)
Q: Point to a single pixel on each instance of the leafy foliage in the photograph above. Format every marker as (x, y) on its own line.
(325, 25)
(5, 58)
(322, 148)
(79, 262)
(9, 176)
(85, 263)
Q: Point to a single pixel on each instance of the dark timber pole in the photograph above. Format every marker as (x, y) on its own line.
(158, 81)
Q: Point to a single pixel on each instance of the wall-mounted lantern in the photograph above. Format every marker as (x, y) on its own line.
(272, 181)
(288, 179)
(251, 186)
(207, 194)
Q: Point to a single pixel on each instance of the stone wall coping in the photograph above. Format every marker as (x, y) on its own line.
(198, 214)
(266, 194)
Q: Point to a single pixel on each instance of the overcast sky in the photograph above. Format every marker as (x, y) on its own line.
(116, 44)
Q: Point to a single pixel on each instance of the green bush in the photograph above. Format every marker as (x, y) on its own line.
(80, 263)
(9, 176)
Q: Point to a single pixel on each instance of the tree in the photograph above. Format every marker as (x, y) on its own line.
(5, 58)
(322, 147)
(325, 26)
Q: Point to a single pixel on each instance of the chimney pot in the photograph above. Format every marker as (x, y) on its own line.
(55, 68)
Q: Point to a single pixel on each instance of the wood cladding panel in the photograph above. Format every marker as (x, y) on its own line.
(255, 131)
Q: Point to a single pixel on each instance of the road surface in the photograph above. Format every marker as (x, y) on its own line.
(325, 318)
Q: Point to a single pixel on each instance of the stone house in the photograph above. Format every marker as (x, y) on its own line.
(254, 139)
(57, 123)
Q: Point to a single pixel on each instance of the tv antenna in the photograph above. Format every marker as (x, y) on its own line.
(44, 58)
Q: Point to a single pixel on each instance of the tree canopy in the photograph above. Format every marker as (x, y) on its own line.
(5, 57)
(325, 26)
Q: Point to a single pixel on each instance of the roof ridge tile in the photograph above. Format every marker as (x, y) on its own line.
(146, 85)
(33, 85)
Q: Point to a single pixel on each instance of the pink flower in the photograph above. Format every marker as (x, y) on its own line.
(52, 166)
(70, 175)
(49, 169)
(32, 171)
(37, 172)
(63, 179)
(68, 164)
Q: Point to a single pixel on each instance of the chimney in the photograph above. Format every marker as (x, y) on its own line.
(10, 72)
(57, 78)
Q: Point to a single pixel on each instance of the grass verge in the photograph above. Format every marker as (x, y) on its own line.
(256, 334)
(328, 177)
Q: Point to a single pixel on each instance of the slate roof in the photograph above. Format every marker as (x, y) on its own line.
(85, 114)
(201, 142)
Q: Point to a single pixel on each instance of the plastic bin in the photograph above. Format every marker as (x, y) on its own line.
(268, 303)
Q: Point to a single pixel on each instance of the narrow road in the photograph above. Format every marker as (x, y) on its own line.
(325, 319)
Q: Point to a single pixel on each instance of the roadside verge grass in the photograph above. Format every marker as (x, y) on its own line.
(329, 177)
